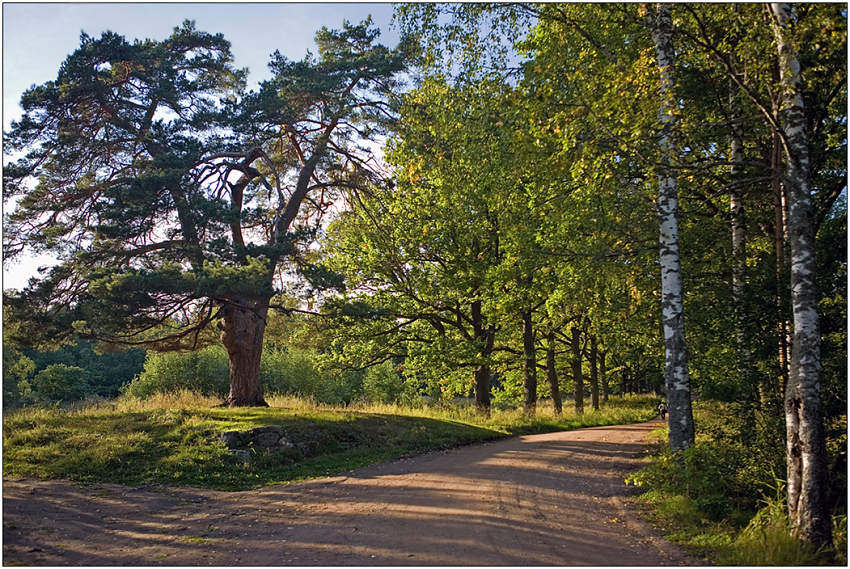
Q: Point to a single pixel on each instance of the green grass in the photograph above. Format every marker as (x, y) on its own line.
(723, 505)
(173, 439)
(766, 540)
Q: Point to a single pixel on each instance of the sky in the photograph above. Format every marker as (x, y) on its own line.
(37, 37)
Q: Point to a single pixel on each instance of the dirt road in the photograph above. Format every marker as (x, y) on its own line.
(553, 499)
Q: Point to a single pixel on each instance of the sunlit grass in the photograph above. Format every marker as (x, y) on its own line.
(173, 438)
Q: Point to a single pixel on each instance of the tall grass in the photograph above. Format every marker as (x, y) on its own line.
(768, 540)
(721, 498)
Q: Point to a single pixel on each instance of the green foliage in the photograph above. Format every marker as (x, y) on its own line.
(60, 382)
(725, 472)
(723, 497)
(768, 540)
(284, 371)
(17, 369)
(107, 370)
(296, 371)
(205, 371)
(384, 384)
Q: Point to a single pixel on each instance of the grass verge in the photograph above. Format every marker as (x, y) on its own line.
(173, 439)
(723, 501)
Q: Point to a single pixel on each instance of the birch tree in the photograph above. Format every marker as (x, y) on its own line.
(806, 449)
(676, 378)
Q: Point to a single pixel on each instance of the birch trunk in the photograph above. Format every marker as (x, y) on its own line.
(780, 245)
(806, 448)
(676, 377)
(739, 240)
(779, 250)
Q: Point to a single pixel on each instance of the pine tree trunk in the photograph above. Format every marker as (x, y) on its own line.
(594, 378)
(529, 364)
(603, 377)
(676, 377)
(551, 374)
(806, 444)
(578, 381)
(242, 327)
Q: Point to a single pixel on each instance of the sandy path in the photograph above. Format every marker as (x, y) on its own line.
(553, 499)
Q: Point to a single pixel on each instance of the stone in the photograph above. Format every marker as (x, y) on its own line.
(243, 455)
(266, 439)
(231, 439)
(308, 448)
(276, 429)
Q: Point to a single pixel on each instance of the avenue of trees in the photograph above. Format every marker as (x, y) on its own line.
(571, 201)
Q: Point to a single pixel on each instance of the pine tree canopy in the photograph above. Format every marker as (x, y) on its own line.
(168, 192)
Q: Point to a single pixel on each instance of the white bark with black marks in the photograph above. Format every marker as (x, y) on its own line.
(676, 377)
(806, 445)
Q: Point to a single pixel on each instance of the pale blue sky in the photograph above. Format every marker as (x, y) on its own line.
(38, 36)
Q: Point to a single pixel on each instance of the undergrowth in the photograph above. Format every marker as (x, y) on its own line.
(723, 499)
(173, 438)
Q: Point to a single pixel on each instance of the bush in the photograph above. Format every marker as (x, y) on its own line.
(17, 369)
(383, 384)
(289, 371)
(59, 382)
(205, 371)
(723, 473)
(107, 371)
(712, 492)
(296, 371)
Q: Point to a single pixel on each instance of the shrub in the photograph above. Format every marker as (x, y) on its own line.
(723, 476)
(60, 382)
(711, 493)
(285, 371)
(383, 384)
(296, 371)
(17, 368)
(205, 371)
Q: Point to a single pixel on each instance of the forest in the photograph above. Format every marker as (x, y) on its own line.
(520, 206)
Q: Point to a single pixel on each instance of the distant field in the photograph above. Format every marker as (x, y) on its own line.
(174, 439)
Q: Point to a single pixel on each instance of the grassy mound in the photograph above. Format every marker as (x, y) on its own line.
(173, 439)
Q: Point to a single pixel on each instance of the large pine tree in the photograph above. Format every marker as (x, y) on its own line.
(174, 199)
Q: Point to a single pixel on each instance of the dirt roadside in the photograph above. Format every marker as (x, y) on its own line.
(552, 499)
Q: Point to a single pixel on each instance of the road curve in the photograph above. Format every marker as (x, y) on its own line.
(551, 499)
